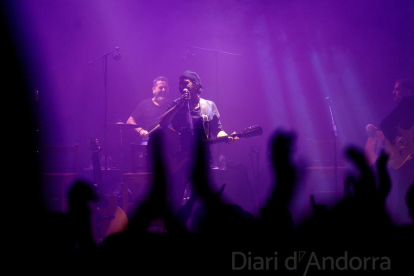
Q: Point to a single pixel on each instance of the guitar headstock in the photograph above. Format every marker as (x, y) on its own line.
(251, 131)
(94, 144)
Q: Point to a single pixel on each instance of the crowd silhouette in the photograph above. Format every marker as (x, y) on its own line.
(357, 236)
(208, 234)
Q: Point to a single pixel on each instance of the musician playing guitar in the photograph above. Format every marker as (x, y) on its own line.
(193, 118)
(399, 122)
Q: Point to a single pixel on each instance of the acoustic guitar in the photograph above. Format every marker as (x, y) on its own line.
(398, 156)
(109, 218)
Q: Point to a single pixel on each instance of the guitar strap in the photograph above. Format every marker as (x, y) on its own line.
(206, 125)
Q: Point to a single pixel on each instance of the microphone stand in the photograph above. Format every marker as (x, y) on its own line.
(190, 118)
(116, 56)
(335, 132)
(216, 53)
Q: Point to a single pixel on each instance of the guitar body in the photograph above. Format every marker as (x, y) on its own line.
(397, 157)
(110, 218)
(173, 155)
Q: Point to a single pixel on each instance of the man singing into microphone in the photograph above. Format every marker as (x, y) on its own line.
(194, 118)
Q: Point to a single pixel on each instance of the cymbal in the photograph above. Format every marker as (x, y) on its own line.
(122, 125)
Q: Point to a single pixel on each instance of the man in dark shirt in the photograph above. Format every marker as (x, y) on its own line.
(401, 117)
(148, 112)
(195, 119)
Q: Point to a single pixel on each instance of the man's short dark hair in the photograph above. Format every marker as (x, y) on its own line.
(160, 78)
(407, 84)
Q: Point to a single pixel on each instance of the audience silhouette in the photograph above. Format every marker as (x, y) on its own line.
(209, 234)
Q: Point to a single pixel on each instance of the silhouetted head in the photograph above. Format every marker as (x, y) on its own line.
(81, 193)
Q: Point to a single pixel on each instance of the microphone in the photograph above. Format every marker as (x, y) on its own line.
(116, 55)
(189, 117)
(185, 90)
(328, 99)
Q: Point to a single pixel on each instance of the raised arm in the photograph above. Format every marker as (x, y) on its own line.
(168, 116)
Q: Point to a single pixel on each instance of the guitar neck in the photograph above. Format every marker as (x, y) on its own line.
(222, 139)
(247, 133)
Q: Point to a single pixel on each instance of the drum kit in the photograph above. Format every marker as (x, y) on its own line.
(122, 126)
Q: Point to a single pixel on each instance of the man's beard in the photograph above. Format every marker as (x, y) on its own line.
(160, 98)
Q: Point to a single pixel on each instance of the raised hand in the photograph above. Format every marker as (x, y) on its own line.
(369, 194)
(157, 205)
(275, 215)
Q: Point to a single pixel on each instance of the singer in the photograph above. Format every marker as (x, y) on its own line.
(194, 118)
